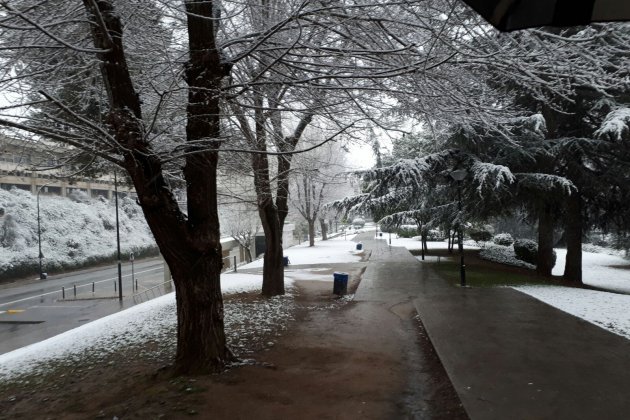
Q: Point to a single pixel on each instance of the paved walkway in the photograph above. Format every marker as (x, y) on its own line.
(508, 355)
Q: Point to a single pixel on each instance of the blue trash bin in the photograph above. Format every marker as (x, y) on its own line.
(340, 284)
(285, 261)
(359, 246)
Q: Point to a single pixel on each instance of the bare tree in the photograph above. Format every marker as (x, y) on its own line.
(315, 176)
(92, 31)
(240, 220)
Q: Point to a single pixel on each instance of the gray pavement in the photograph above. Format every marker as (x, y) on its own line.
(508, 355)
(31, 311)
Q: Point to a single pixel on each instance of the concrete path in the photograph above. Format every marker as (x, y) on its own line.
(508, 355)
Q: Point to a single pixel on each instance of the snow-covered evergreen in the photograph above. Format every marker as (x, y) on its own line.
(74, 232)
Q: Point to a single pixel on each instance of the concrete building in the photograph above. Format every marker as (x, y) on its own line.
(32, 166)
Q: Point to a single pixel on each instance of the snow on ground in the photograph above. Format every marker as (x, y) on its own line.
(608, 310)
(152, 321)
(600, 270)
(155, 321)
(336, 250)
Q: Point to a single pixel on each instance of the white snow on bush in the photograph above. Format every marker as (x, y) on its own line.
(616, 125)
(503, 255)
(73, 233)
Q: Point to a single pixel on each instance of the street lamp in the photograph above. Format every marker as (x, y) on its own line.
(42, 275)
(133, 275)
(459, 175)
(120, 296)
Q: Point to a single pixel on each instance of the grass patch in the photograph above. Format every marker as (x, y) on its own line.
(483, 273)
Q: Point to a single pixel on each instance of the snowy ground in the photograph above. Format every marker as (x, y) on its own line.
(154, 321)
(608, 310)
(336, 250)
(610, 272)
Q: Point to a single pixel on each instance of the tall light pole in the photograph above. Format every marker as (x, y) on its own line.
(120, 295)
(42, 276)
(459, 175)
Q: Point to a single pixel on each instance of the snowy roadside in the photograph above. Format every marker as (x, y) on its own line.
(154, 322)
(605, 309)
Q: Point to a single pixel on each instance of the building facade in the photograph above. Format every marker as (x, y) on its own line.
(34, 167)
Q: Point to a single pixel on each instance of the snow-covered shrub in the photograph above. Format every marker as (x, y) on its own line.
(10, 232)
(79, 196)
(503, 255)
(504, 239)
(527, 250)
(74, 234)
(480, 234)
(407, 231)
(358, 222)
(435, 235)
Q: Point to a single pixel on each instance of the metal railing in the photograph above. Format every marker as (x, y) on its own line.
(153, 292)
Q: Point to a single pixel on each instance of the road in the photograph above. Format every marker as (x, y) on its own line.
(32, 311)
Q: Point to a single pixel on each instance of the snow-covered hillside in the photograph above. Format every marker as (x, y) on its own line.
(75, 232)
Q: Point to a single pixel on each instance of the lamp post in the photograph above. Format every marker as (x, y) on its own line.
(42, 275)
(459, 175)
(133, 275)
(120, 295)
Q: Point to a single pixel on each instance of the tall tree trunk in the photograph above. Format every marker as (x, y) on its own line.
(573, 235)
(190, 245)
(273, 267)
(271, 217)
(545, 241)
(311, 232)
(324, 227)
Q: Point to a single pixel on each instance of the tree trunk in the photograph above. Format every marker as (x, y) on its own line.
(324, 227)
(573, 235)
(201, 345)
(311, 232)
(545, 241)
(273, 267)
(449, 245)
(270, 216)
(190, 245)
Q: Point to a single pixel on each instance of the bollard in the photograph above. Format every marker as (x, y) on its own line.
(92, 287)
(63, 293)
(136, 285)
(114, 287)
(235, 263)
(75, 291)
